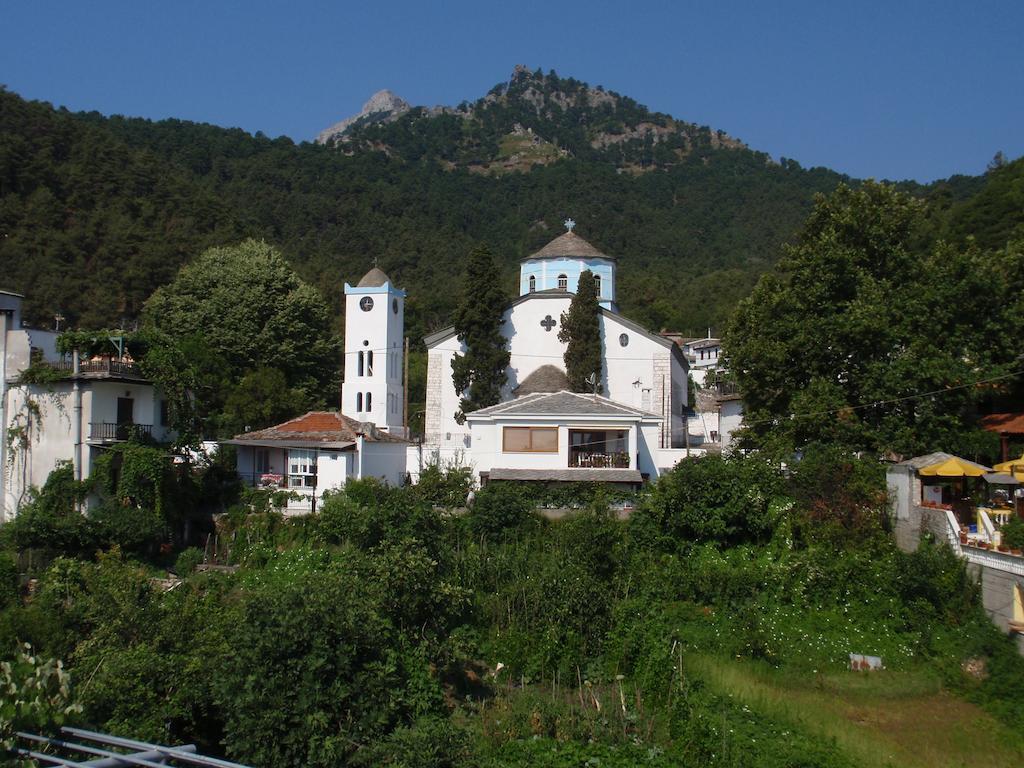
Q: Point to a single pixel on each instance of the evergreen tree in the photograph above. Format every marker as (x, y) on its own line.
(581, 330)
(480, 374)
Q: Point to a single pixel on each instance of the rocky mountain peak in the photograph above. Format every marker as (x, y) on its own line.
(383, 106)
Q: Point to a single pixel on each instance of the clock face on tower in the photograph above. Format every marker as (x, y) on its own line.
(366, 303)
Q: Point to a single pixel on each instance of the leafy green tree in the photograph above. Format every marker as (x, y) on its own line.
(260, 399)
(250, 308)
(723, 500)
(581, 330)
(480, 374)
(864, 338)
(36, 696)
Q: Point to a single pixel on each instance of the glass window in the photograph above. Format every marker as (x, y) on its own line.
(597, 283)
(563, 282)
(530, 439)
(361, 363)
(359, 401)
(301, 468)
(262, 461)
(623, 339)
(369, 401)
(369, 365)
(533, 283)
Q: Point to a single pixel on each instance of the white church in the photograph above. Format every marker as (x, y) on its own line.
(630, 433)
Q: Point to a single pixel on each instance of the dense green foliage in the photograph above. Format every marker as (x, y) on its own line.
(385, 632)
(481, 372)
(246, 306)
(580, 331)
(99, 212)
(868, 336)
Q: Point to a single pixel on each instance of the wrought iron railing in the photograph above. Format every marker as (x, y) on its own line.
(597, 460)
(107, 430)
(106, 365)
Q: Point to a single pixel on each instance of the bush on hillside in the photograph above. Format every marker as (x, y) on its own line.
(723, 500)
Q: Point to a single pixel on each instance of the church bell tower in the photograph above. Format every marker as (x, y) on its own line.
(372, 389)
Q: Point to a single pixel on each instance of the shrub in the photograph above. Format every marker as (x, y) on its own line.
(1013, 533)
(497, 508)
(444, 486)
(37, 695)
(8, 580)
(723, 500)
(188, 560)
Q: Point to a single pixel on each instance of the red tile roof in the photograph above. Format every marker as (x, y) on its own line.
(320, 426)
(1011, 423)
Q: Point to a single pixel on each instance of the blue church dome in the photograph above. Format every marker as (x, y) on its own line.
(558, 265)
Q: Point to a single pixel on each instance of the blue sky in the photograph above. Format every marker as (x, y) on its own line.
(881, 89)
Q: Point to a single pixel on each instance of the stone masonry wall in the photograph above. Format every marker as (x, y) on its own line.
(661, 396)
(432, 417)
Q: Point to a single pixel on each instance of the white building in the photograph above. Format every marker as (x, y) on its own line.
(74, 418)
(374, 348)
(642, 382)
(323, 450)
(718, 405)
(318, 452)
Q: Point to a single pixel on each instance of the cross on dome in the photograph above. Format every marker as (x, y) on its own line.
(569, 224)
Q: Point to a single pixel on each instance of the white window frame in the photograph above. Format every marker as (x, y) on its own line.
(301, 468)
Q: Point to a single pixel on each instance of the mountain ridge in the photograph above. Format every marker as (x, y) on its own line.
(96, 212)
(559, 117)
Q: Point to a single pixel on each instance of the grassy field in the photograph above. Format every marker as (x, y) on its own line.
(880, 718)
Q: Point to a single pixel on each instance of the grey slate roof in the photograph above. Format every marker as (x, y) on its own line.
(569, 245)
(568, 475)
(561, 404)
(375, 278)
(547, 378)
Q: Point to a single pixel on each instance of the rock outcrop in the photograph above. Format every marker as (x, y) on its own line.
(384, 106)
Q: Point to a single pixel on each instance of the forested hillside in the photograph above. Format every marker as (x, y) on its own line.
(97, 212)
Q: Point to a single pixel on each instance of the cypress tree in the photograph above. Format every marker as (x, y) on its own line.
(581, 330)
(481, 373)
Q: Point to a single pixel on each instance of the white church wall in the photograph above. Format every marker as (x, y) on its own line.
(642, 374)
(385, 461)
(530, 344)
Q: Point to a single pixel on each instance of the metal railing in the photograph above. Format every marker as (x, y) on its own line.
(107, 430)
(106, 365)
(597, 460)
(275, 481)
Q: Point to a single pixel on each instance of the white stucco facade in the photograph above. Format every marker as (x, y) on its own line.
(373, 389)
(641, 371)
(44, 426)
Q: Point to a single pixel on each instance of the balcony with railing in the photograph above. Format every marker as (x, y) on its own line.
(599, 449)
(112, 432)
(101, 367)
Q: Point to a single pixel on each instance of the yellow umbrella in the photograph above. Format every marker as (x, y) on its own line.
(954, 467)
(1014, 466)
